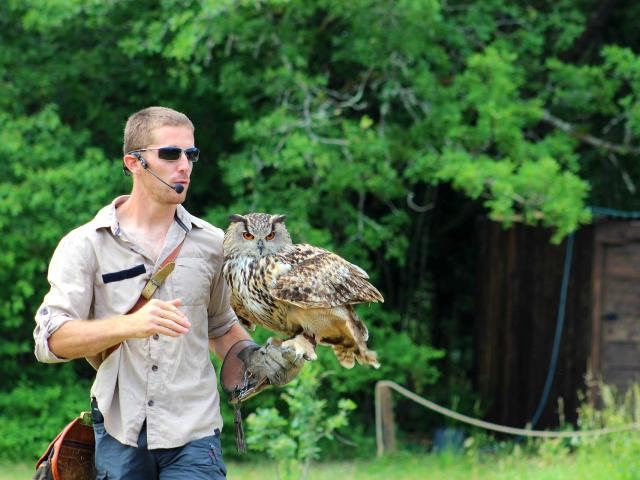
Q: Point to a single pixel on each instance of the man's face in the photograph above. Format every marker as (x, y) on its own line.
(171, 171)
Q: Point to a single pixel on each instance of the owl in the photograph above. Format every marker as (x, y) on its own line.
(302, 292)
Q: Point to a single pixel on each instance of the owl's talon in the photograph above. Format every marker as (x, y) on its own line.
(310, 357)
(290, 354)
(302, 347)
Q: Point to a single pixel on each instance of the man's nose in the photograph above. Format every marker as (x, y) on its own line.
(183, 162)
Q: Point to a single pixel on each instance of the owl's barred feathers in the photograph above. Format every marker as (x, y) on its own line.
(296, 288)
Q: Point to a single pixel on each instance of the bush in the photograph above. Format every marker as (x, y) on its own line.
(31, 415)
(293, 442)
(612, 409)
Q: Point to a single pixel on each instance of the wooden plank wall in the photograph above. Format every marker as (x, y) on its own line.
(616, 349)
(518, 294)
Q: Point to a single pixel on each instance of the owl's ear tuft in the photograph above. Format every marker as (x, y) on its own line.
(235, 218)
(278, 219)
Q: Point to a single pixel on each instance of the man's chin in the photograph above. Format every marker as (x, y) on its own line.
(175, 198)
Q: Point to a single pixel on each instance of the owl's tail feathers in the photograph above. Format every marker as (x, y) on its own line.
(355, 348)
(348, 356)
(345, 356)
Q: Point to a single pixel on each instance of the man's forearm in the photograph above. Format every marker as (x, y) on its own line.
(85, 338)
(221, 345)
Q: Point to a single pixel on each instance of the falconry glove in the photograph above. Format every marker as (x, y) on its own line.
(248, 368)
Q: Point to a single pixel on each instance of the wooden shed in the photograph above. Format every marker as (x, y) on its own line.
(518, 296)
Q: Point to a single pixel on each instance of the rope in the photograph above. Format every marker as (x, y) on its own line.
(479, 423)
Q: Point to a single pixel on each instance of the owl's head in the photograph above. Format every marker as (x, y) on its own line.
(256, 235)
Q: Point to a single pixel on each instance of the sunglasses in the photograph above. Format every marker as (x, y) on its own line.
(173, 153)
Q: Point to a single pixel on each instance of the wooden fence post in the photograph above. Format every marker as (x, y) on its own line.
(385, 425)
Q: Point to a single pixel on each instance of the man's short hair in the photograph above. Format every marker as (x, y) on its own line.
(138, 131)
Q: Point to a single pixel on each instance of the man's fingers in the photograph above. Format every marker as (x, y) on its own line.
(170, 310)
(172, 320)
(162, 317)
(162, 330)
(170, 324)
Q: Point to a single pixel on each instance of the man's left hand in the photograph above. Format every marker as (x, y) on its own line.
(279, 365)
(249, 368)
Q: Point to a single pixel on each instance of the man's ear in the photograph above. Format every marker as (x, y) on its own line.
(131, 163)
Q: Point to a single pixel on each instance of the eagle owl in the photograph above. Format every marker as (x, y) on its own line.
(303, 292)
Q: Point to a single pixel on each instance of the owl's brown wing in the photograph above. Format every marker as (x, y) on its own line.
(321, 279)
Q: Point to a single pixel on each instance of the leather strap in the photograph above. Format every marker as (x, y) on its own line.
(166, 267)
(156, 280)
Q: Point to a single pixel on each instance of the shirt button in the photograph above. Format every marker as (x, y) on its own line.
(154, 368)
(150, 403)
(156, 336)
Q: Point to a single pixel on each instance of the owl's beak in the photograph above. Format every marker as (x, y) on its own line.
(260, 245)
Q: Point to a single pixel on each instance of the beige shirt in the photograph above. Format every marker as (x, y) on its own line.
(97, 272)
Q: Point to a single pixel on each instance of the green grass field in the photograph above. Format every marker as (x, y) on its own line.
(436, 467)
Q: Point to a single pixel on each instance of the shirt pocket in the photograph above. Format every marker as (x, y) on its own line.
(191, 281)
(117, 287)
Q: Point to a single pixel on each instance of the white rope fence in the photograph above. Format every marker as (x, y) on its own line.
(382, 389)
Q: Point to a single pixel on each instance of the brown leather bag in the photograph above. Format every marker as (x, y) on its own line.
(71, 454)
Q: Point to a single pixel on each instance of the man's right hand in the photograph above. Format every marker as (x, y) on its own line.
(158, 316)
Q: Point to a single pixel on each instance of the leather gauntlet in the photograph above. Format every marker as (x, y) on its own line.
(248, 368)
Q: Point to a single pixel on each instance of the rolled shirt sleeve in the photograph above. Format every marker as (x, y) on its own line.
(70, 276)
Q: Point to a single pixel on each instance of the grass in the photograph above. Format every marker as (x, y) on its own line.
(451, 467)
(16, 472)
(513, 466)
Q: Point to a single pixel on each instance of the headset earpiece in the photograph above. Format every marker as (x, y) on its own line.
(143, 162)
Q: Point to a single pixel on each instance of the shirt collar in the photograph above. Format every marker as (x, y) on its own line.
(187, 219)
(107, 218)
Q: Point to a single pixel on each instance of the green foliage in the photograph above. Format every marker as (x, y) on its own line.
(41, 199)
(605, 406)
(32, 414)
(293, 440)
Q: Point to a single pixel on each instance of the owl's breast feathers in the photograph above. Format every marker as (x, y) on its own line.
(250, 280)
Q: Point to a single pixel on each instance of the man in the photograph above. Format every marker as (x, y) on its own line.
(155, 403)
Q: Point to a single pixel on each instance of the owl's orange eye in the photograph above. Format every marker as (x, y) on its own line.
(247, 236)
(270, 236)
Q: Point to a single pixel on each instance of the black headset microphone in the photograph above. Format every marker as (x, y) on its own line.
(179, 188)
